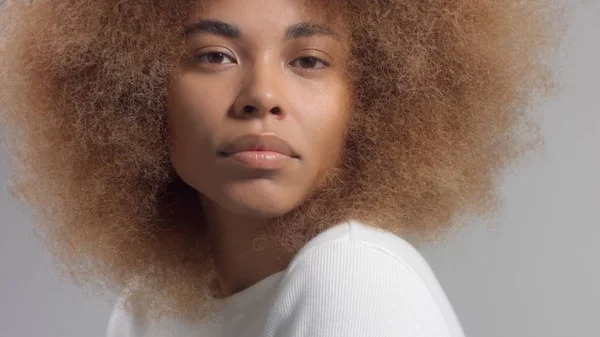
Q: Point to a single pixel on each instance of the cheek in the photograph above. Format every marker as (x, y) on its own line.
(326, 120)
(193, 114)
(200, 104)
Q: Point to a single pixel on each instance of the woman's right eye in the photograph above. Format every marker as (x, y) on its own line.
(214, 58)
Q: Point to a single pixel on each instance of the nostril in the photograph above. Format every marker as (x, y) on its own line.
(276, 111)
(248, 109)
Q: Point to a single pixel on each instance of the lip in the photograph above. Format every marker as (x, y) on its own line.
(255, 142)
(259, 151)
(264, 160)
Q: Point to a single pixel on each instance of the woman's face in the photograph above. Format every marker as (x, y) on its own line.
(257, 111)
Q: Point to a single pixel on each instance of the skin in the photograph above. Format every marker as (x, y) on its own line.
(260, 79)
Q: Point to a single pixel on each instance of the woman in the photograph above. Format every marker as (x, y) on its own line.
(255, 168)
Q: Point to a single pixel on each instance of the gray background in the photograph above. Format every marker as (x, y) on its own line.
(535, 274)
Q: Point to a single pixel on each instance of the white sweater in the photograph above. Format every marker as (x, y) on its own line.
(351, 280)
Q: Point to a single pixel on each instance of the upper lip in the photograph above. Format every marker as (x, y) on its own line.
(256, 142)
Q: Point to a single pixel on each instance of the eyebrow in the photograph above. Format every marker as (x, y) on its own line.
(298, 30)
(308, 29)
(214, 27)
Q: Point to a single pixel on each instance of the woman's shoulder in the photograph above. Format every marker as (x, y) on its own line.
(121, 322)
(352, 270)
(128, 317)
(353, 235)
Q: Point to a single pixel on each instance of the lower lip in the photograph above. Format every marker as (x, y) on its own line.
(267, 160)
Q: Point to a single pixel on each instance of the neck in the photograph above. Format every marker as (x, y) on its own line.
(243, 249)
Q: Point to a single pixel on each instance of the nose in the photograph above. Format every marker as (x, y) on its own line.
(261, 94)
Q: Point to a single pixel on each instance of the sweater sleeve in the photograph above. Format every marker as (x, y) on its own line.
(350, 288)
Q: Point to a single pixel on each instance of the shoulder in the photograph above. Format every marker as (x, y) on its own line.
(362, 281)
(353, 244)
(125, 322)
(120, 322)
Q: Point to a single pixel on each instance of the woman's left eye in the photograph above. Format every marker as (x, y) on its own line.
(215, 58)
(308, 63)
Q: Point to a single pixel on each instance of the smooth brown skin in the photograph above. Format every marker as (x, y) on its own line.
(260, 82)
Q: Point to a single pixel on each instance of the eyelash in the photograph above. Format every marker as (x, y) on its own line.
(316, 59)
(198, 58)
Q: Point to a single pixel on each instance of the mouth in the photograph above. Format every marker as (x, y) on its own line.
(259, 143)
(264, 151)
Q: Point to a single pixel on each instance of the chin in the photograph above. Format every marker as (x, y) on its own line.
(261, 208)
(261, 211)
(260, 201)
